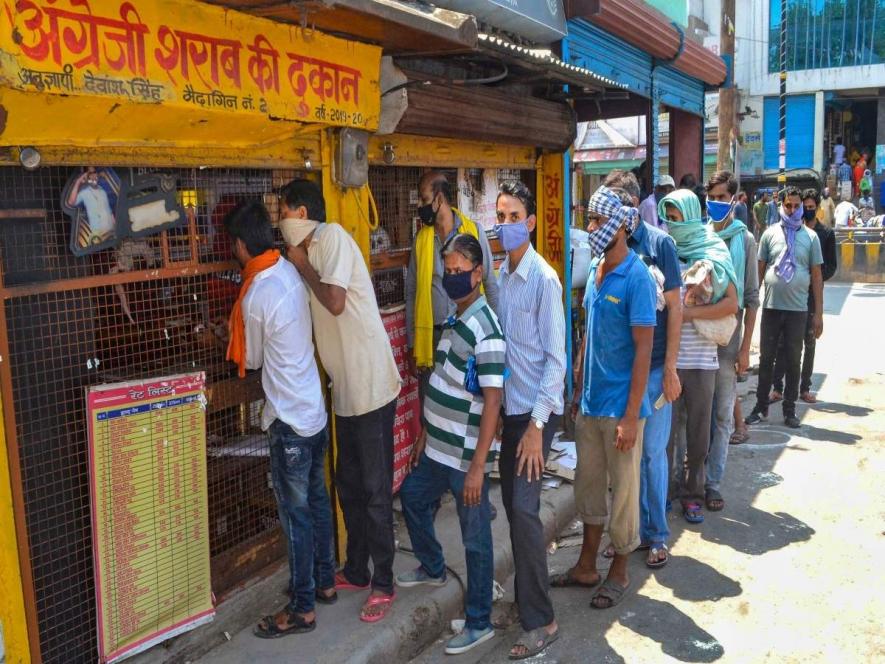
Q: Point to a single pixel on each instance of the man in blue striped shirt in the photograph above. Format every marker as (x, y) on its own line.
(532, 318)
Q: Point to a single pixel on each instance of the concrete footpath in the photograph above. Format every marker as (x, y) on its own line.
(418, 617)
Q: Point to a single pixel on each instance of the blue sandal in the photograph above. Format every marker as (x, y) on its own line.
(693, 512)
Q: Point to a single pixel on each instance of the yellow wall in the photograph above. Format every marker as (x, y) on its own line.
(12, 604)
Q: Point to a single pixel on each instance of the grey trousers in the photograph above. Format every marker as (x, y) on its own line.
(522, 501)
(723, 415)
(690, 434)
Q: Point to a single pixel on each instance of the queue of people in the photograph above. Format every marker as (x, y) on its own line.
(670, 309)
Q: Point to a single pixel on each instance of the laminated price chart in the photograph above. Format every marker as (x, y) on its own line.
(147, 443)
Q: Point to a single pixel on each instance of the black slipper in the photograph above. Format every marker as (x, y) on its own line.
(270, 630)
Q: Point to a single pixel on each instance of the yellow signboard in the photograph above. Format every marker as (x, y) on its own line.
(188, 54)
(147, 470)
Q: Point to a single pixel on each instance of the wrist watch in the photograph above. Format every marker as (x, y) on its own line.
(539, 425)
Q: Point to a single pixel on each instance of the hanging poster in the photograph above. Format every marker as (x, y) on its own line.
(478, 195)
(407, 425)
(90, 200)
(880, 159)
(147, 471)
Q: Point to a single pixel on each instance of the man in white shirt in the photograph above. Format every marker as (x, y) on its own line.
(270, 330)
(838, 152)
(845, 213)
(356, 353)
(648, 209)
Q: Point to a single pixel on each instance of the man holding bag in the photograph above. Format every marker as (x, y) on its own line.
(721, 190)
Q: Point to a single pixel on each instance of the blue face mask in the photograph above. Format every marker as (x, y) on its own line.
(514, 235)
(458, 286)
(718, 211)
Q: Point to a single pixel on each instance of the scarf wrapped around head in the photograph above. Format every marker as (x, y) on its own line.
(785, 266)
(607, 203)
(697, 241)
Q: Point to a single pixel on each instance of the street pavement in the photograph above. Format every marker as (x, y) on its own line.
(791, 570)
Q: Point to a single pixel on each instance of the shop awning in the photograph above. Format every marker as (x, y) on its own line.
(644, 27)
(399, 27)
(546, 64)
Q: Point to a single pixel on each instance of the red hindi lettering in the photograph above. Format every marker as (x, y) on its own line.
(187, 50)
(263, 65)
(552, 185)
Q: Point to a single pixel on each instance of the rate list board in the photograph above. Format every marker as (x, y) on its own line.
(147, 465)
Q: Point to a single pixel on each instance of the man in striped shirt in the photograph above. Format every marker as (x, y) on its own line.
(530, 305)
(461, 409)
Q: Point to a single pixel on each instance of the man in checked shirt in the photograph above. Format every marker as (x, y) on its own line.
(531, 314)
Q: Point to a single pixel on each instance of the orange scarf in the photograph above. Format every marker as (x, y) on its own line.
(236, 348)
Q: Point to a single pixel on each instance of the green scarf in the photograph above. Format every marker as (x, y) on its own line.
(738, 254)
(696, 240)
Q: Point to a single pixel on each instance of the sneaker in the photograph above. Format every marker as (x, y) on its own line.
(756, 417)
(418, 577)
(468, 640)
(792, 421)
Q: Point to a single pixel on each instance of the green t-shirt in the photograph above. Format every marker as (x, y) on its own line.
(807, 253)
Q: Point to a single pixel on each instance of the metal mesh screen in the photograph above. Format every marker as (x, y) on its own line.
(68, 328)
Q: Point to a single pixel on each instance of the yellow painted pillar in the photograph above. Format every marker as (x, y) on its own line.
(847, 262)
(551, 213)
(12, 603)
(873, 258)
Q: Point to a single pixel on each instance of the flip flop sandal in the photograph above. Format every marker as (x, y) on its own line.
(613, 592)
(566, 580)
(270, 630)
(341, 583)
(808, 397)
(693, 512)
(656, 551)
(534, 642)
(774, 397)
(327, 599)
(714, 501)
(739, 438)
(383, 602)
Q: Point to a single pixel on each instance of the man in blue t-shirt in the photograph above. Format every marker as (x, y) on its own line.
(658, 251)
(620, 309)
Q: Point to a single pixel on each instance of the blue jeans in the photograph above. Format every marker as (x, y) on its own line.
(298, 471)
(723, 417)
(422, 488)
(654, 473)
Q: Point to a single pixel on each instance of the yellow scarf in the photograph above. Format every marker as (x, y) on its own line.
(423, 297)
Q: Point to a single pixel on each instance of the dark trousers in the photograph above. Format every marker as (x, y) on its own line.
(777, 324)
(364, 479)
(690, 434)
(807, 361)
(522, 501)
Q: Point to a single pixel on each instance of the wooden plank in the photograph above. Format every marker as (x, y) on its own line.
(23, 214)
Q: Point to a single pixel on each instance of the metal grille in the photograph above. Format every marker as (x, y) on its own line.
(67, 329)
(395, 189)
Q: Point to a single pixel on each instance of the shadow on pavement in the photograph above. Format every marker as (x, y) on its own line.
(841, 408)
(707, 583)
(830, 436)
(754, 532)
(680, 636)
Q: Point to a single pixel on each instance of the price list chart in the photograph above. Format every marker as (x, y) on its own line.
(147, 443)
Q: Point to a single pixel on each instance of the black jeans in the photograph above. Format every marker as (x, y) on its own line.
(364, 480)
(522, 501)
(777, 324)
(807, 361)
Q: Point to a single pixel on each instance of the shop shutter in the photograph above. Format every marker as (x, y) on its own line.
(680, 91)
(597, 50)
(800, 131)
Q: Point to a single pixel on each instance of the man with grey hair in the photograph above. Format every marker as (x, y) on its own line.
(618, 178)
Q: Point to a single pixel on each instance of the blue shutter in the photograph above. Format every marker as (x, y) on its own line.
(679, 90)
(800, 131)
(605, 54)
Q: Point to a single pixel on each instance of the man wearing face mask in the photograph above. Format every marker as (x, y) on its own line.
(648, 209)
(735, 357)
(620, 306)
(427, 304)
(790, 260)
(533, 322)
(827, 239)
(461, 410)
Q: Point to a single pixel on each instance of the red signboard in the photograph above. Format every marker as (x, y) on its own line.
(407, 424)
